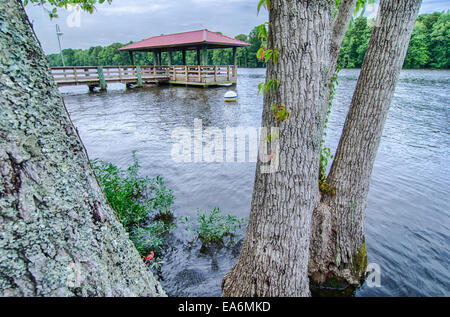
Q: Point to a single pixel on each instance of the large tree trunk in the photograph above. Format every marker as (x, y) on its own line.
(274, 257)
(59, 237)
(338, 254)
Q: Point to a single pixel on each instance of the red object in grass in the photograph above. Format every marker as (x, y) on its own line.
(150, 256)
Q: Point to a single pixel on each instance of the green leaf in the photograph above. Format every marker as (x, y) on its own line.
(275, 55)
(262, 32)
(276, 82)
(263, 3)
(268, 55)
(260, 86)
(260, 53)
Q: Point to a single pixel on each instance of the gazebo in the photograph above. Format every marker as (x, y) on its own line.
(200, 41)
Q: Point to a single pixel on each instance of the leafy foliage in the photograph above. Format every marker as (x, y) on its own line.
(214, 228)
(355, 43)
(418, 55)
(151, 238)
(439, 46)
(361, 6)
(325, 153)
(429, 46)
(85, 5)
(269, 54)
(324, 187)
(125, 190)
(137, 201)
(263, 3)
(280, 113)
(271, 83)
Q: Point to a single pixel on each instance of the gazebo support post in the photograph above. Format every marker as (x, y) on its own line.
(170, 58)
(234, 56)
(131, 57)
(184, 57)
(155, 58)
(204, 55)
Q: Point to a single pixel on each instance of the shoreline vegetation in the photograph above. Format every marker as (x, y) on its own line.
(144, 207)
(142, 204)
(429, 48)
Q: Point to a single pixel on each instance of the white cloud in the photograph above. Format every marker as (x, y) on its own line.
(127, 9)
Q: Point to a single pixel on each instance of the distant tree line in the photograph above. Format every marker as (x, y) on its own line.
(429, 48)
(110, 55)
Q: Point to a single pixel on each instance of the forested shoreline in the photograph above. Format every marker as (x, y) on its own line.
(428, 48)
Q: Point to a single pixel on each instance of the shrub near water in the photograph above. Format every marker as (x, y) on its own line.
(214, 228)
(162, 200)
(139, 203)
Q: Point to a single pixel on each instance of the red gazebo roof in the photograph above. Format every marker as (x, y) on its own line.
(185, 41)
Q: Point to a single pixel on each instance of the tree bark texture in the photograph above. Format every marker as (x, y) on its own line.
(337, 250)
(58, 235)
(274, 257)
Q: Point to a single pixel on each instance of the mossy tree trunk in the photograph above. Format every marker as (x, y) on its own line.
(338, 251)
(275, 253)
(274, 257)
(58, 235)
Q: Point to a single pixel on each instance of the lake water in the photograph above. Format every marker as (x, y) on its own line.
(408, 214)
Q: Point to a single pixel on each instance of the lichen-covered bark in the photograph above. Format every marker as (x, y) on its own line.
(338, 250)
(58, 235)
(274, 257)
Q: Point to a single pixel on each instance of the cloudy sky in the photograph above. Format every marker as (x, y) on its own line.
(134, 20)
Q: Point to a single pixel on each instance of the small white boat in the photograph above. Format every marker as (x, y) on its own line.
(230, 96)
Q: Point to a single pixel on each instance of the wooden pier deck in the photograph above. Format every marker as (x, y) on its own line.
(100, 76)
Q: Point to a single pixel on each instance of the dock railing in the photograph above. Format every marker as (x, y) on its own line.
(100, 75)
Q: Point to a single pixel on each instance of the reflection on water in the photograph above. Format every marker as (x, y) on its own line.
(408, 219)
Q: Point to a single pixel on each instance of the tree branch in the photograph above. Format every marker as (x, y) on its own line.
(341, 22)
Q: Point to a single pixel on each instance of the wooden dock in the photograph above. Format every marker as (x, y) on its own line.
(100, 76)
